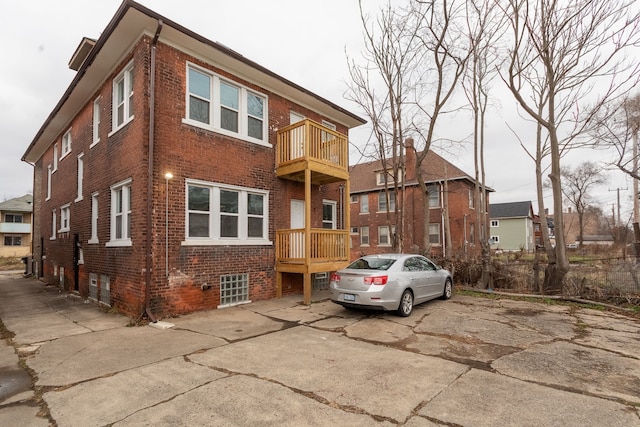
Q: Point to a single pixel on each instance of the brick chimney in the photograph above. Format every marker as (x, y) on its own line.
(410, 159)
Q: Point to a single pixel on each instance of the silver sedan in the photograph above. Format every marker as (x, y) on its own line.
(390, 282)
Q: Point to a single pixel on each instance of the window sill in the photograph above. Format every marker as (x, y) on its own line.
(211, 242)
(246, 138)
(119, 243)
(94, 143)
(123, 125)
(93, 241)
(79, 199)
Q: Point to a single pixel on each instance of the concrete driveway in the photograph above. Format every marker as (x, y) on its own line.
(464, 362)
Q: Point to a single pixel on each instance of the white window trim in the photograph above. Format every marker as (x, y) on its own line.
(95, 126)
(392, 201)
(390, 231)
(368, 236)
(362, 204)
(214, 212)
(80, 177)
(437, 189)
(49, 175)
(65, 147)
(126, 74)
(126, 241)
(65, 214)
(54, 225)
(494, 223)
(334, 213)
(94, 219)
(214, 108)
(55, 157)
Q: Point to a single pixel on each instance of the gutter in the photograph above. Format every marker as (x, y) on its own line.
(152, 101)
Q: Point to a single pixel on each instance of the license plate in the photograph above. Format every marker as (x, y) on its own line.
(349, 297)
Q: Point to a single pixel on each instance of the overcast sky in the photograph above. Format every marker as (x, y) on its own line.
(302, 41)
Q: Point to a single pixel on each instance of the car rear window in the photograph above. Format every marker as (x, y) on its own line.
(371, 264)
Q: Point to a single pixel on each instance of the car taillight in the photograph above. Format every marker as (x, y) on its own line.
(335, 277)
(376, 280)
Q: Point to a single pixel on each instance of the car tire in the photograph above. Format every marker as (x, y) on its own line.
(448, 290)
(406, 303)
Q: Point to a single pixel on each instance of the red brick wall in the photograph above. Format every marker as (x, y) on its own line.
(189, 153)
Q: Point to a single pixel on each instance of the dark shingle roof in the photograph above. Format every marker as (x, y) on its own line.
(510, 210)
(434, 167)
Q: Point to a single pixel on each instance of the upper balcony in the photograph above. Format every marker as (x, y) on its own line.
(309, 145)
(15, 227)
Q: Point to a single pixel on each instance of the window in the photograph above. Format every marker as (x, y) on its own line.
(234, 289)
(54, 229)
(364, 203)
(96, 122)
(434, 234)
(382, 201)
(364, 236)
(354, 230)
(384, 237)
(15, 218)
(49, 175)
(225, 107)
(471, 198)
(80, 176)
(472, 234)
(121, 214)
(122, 101)
(495, 223)
(329, 214)
(434, 196)
(326, 136)
(66, 144)
(64, 218)
(354, 199)
(220, 214)
(494, 240)
(382, 177)
(55, 157)
(12, 240)
(94, 218)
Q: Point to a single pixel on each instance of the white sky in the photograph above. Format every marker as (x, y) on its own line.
(302, 41)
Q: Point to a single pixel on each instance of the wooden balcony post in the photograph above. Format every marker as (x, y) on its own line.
(307, 234)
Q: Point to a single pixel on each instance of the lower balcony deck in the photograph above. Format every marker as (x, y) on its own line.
(322, 250)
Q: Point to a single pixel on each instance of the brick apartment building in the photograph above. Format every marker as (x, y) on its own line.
(370, 231)
(176, 175)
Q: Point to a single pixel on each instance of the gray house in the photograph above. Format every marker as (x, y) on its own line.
(511, 226)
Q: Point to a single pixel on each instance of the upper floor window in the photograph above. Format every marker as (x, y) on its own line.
(221, 214)
(54, 220)
(471, 198)
(12, 240)
(66, 144)
(495, 223)
(65, 213)
(95, 128)
(94, 218)
(354, 198)
(434, 234)
(121, 214)
(122, 101)
(434, 196)
(13, 218)
(80, 177)
(225, 107)
(382, 201)
(383, 177)
(364, 203)
(49, 175)
(55, 157)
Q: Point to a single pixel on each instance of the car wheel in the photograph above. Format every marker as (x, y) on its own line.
(406, 303)
(448, 290)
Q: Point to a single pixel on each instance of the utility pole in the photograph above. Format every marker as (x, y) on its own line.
(619, 222)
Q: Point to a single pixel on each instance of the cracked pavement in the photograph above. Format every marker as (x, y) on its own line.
(469, 361)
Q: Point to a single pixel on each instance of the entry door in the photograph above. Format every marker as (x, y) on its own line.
(297, 136)
(296, 243)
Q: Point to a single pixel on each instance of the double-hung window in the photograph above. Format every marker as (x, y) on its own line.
(226, 215)
(121, 214)
(66, 144)
(65, 212)
(122, 101)
(95, 128)
(382, 201)
(80, 176)
(225, 107)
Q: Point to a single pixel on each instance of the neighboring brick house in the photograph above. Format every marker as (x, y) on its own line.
(370, 232)
(511, 226)
(176, 175)
(15, 226)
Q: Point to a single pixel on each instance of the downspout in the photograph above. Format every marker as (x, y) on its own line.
(149, 253)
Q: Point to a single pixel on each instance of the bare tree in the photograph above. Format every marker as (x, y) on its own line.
(568, 47)
(444, 52)
(577, 187)
(380, 87)
(485, 28)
